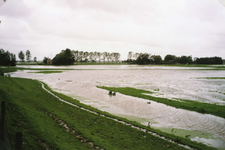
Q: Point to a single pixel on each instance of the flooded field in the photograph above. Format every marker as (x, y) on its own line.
(169, 82)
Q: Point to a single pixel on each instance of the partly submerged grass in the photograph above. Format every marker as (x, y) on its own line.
(217, 110)
(28, 107)
(174, 138)
(210, 78)
(7, 69)
(47, 72)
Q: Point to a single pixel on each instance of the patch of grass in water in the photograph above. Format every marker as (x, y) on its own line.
(47, 72)
(69, 81)
(217, 110)
(210, 78)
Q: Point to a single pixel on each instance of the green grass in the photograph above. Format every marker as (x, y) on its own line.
(210, 78)
(28, 108)
(101, 63)
(7, 69)
(13, 69)
(205, 108)
(47, 72)
(200, 67)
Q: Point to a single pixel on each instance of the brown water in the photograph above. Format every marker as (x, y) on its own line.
(169, 82)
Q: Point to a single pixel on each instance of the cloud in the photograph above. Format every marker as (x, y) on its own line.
(159, 27)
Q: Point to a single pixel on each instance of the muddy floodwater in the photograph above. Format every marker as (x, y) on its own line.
(168, 82)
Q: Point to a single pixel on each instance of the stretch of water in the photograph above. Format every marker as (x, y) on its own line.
(169, 82)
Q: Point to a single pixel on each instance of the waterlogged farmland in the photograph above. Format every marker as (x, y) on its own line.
(202, 84)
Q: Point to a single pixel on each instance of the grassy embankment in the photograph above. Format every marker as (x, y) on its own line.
(37, 115)
(217, 110)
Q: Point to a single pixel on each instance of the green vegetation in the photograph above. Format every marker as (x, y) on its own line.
(12, 69)
(7, 58)
(47, 72)
(65, 57)
(7, 69)
(210, 78)
(38, 116)
(100, 63)
(217, 110)
(145, 58)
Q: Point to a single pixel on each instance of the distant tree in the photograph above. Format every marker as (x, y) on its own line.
(21, 56)
(7, 58)
(185, 60)
(129, 56)
(95, 55)
(91, 56)
(117, 56)
(28, 55)
(81, 55)
(170, 59)
(136, 55)
(85, 55)
(157, 59)
(99, 55)
(144, 59)
(104, 56)
(75, 55)
(108, 56)
(112, 57)
(35, 59)
(209, 60)
(45, 60)
(65, 57)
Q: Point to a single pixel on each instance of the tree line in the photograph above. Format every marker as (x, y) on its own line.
(68, 57)
(146, 58)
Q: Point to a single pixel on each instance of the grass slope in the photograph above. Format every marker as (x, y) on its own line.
(28, 108)
(217, 110)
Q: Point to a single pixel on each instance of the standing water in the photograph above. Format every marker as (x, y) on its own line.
(167, 82)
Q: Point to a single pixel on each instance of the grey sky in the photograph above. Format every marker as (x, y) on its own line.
(178, 27)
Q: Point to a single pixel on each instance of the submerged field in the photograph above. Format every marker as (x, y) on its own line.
(175, 85)
(204, 108)
(47, 123)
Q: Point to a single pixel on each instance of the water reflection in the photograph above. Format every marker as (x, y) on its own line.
(165, 82)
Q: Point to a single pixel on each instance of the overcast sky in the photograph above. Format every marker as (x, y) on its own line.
(159, 27)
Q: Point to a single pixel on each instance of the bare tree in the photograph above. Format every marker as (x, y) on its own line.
(91, 54)
(86, 56)
(81, 53)
(75, 54)
(95, 56)
(104, 55)
(117, 56)
(136, 55)
(99, 56)
(108, 56)
(130, 55)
